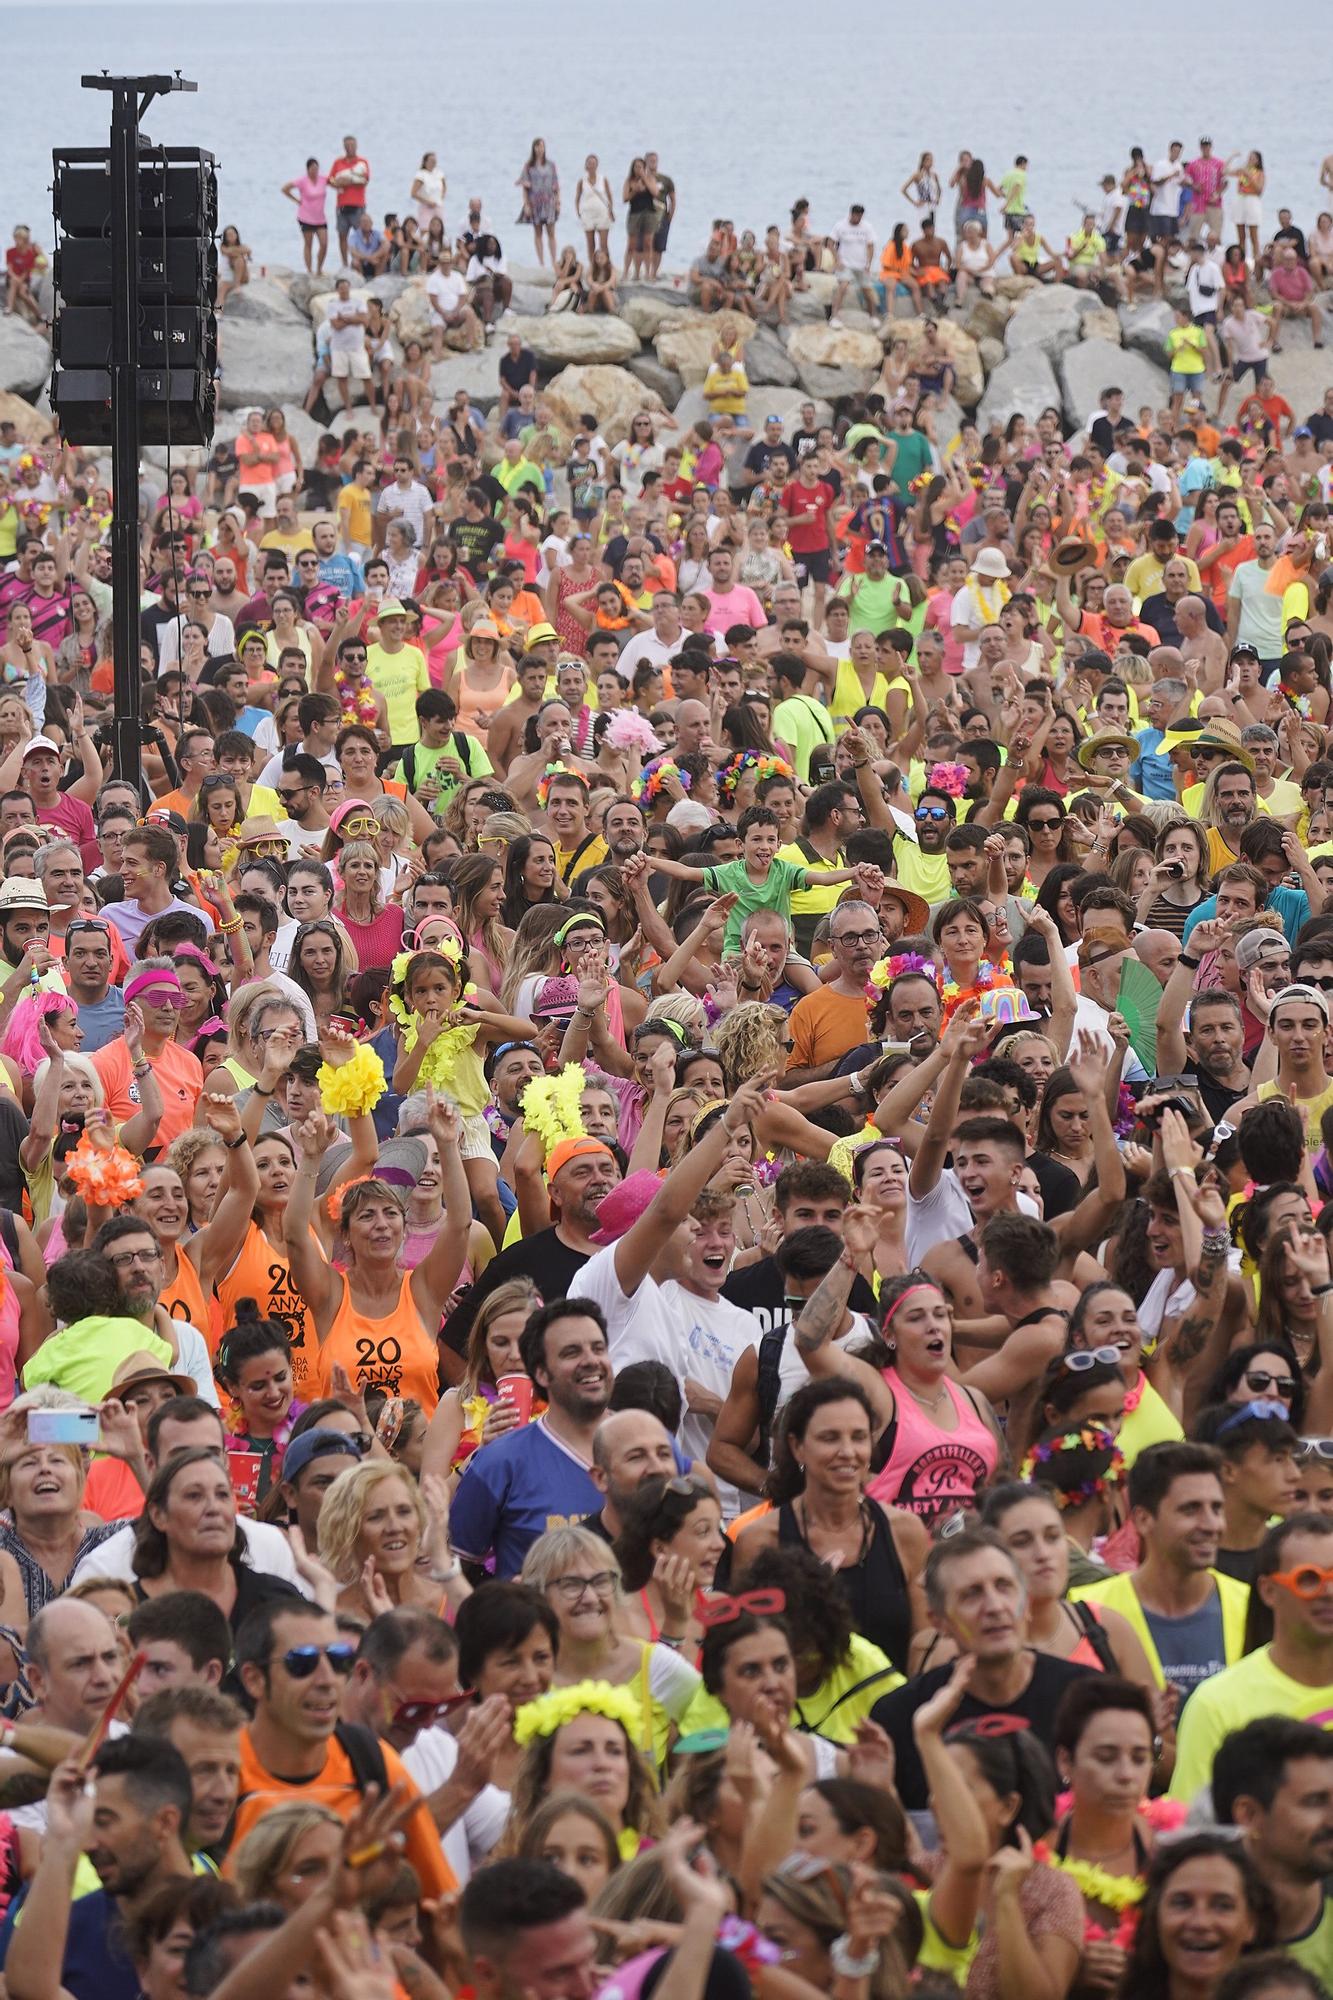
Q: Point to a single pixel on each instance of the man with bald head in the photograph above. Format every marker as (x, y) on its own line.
(74, 1663)
(1158, 950)
(628, 1447)
(692, 726)
(1161, 610)
(1201, 647)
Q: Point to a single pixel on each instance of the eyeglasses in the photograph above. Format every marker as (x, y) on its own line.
(856, 937)
(1261, 1382)
(302, 1661)
(425, 1714)
(572, 1588)
(1083, 1358)
(1307, 1581)
(266, 850)
(931, 812)
(124, 1260)
(723, 1610)
(1036, 825)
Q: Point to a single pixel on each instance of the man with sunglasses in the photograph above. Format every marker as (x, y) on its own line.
(404, 1687)
(300, 784)
(293, 1664)
(1292, 1675)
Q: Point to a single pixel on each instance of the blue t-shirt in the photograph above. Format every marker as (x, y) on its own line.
(1150, 773)
(97, 1966)
(512, 1491)
(1191, 1649)
(344, 572)
(1292, 905)
(104, 1021)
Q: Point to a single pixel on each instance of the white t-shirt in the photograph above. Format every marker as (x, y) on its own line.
(447, 290)
(272, 771)
(943, 1214)
(349, 339)
(411, 505)
(221, 641)
(854, 242)
(266, 1549)
(648, 647)
(638, 1326)
(1203, 284)
(1166, 198)
(709, 1338)
(430, 1759)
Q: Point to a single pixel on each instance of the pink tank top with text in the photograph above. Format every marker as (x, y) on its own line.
(931, 1471)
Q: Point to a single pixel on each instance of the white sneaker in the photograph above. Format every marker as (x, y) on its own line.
(836, 324)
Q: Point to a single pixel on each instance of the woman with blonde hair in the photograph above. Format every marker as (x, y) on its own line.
(373, 1525)
(579, 1576)
(287, 1854)
(492, 1353)
(755, 1037)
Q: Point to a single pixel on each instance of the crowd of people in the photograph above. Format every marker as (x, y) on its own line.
(645, 1344)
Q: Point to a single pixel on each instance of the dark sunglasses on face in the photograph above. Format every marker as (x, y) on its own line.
(931, 812)
(302, 1661)
(1043, 825)
(1262, 1382)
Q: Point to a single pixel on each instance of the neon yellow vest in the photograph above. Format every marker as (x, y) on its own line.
(1119, 1594)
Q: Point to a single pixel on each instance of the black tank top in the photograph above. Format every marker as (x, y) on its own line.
(875, 1587)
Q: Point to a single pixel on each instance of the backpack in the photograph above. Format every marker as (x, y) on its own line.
(365, 1754)
(459, 743)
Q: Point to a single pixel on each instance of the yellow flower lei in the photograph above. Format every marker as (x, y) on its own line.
(354, 1087)
(551, 1711)
(551, 1106)
(1097, 1884)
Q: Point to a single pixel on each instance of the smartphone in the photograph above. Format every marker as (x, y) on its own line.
(63, 1427)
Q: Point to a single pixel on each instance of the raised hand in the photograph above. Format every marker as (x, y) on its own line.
(482, 1738)
(1307, 1256)
(279, 1050)
(1179, 1151)
(1088, 1063)
(933, 1716)
(861, 1225)
(443, 1120)
(316, 1134)
(1207, 936)
(374, 1589)
(748, 1102)
(662, 1068)
(221, 1115)
(336, 1045)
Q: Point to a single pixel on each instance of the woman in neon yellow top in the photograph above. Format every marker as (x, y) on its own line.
(859, 683)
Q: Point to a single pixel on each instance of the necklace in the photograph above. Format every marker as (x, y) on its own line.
(926, 1402)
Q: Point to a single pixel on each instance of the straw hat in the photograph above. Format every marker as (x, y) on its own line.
(485, 628)
(1070, 555)
(1223, 734)
(1106, 739)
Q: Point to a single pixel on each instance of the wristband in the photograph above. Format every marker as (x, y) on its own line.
(447, 1575)
(234, 1145)
(141, 1069)
(845, 1962)
(1192, 963)
(673, 1639)
(1320, 1290)
(258, 1092)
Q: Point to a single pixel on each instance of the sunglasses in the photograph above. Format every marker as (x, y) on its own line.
(1324, 985)
(1261, 1382)
(294, 792)
(302, 1661)
(1320, 1448)
(425, 1714)
(724, 1610)
(931, 812)
(87, 924)
(1084, 1358)
(1043, 825)
(1306, 1581)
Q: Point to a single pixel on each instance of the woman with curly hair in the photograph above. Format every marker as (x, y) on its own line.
(754, 1037)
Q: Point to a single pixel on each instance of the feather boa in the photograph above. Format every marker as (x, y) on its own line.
(551, 1106)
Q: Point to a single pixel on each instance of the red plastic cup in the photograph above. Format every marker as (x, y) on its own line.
(517, 1389)
(245, 1468)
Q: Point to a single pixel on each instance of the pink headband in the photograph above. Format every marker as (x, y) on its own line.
(144, 982)
(903, 1297)
(192, 951)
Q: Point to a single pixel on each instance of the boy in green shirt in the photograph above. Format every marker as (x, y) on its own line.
(759, 881)
(435, 767)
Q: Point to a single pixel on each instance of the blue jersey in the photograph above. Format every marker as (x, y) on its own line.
(512, 1491)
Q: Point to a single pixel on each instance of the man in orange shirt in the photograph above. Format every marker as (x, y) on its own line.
(194, 760)
(829, 1024)
(293, 1664)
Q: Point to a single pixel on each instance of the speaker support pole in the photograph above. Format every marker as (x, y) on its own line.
(131, 96)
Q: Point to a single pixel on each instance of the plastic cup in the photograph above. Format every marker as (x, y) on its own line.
(517, 1389)
(245, 1468)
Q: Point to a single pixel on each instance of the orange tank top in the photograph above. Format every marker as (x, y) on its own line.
(183, 1297)
(264, 1274)
(395, 1353)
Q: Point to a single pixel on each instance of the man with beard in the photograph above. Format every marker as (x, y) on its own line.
(131, 1247)
(509, 1067)
(536, 1477)
(827, 1024)
(628, 1447)
(131, 1824)
(623, 830)
(968, 854)
(1189, 1617)
(1227, 814)
(579, 1174)
(1274, 1780)
(25, 928)
(923, 867)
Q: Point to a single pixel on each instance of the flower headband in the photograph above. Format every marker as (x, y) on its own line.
(885, 970)
(948, 778)
(548, 778)
(764, 765)
(654, 776)
(1090, 1438)
(551, 1711)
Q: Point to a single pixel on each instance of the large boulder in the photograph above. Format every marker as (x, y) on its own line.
(991, 352)
(1047, 318)
(25, 357)
(1010, 286)
(686, 341)
(663, 381)
(778, 402)
(264, 299)
(530, 300)
(986, 319)
(958, 344)
(767, 360)
(476, 372)
(561, 338)
(1094, 365)
(30, 424)
(1101, 323)
(1145, 327)
(833, 362)
(411, 314)
(303, 286)
(1024, 383)
(647, 308)
(614, 394)
(263, 362)
(1301, 375)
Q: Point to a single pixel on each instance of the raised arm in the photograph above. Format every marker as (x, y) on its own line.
(311, 1273)
(964, 1038)
(438, 1272)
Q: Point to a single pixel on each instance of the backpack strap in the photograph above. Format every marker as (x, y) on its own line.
(9, 1231)
(1096, 1635)
(410, 767)
(768, 1370)
(365, 1754)
(462, 743)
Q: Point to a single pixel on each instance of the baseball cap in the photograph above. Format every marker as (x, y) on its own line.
(1253, 946)
(1309, 996)
(1244, 651)
(40, 743)
(314, 1444)
(877, 549)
